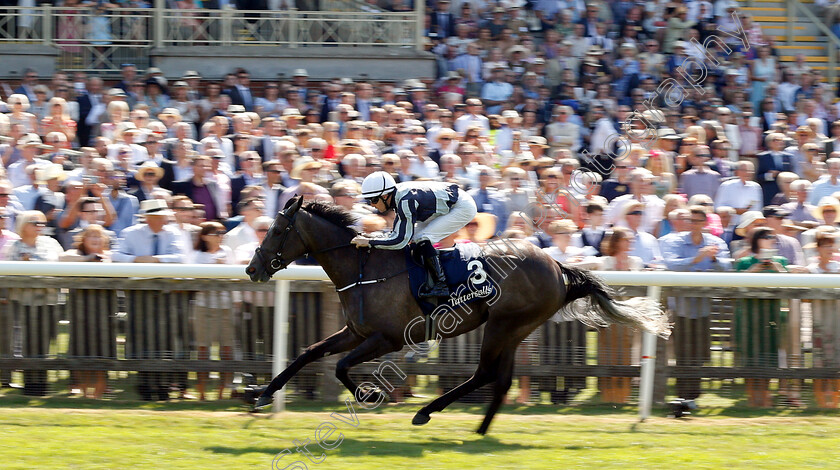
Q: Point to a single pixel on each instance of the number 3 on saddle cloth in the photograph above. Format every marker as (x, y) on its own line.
(467, 276)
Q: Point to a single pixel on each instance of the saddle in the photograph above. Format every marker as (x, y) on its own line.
(467, 276)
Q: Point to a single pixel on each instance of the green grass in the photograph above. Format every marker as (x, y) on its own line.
(60, 433)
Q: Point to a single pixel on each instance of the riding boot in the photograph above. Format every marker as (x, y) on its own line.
(432, 263)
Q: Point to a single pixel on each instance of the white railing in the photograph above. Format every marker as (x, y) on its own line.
(92, 40)
(654, 280)
(287, 28)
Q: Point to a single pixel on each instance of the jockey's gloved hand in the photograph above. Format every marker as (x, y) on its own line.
(360, 241)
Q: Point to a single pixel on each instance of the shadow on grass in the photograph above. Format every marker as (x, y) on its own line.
(362, 447)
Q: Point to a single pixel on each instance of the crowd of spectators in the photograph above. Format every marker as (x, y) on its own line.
(548, 113)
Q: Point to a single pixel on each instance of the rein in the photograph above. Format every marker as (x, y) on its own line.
(277, 263)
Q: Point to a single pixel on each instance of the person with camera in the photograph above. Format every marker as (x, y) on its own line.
(81, 210)
(760, 325)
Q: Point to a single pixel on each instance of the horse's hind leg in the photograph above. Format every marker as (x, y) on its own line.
(371, 348)
(340, 341)
(488, 369)
(504, 378)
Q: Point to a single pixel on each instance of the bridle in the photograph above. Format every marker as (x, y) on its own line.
(276, 262)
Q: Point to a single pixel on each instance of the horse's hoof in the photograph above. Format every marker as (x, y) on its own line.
(420, 419)
(263, 401)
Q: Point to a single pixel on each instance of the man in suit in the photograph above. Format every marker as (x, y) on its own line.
(772, 162)
(442, 22)
(330, 101)
(129, 74)
(240, 93)
(91, 106)
(203, 190)
(27, 86)
(154, 241)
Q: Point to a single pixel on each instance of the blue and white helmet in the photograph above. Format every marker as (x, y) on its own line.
(377, 183)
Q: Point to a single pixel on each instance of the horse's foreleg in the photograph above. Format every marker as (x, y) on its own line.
(340, 341)
(501, 387)
(371, 348)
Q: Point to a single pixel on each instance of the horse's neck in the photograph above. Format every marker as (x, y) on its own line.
(345, 263)
(339, 263)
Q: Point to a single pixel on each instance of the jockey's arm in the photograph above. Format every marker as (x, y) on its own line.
(403, 229)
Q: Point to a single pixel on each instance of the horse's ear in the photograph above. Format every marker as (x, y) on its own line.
(294, 205)
(291, 201)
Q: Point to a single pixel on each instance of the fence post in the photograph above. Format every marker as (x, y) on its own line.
(648, 363)
(227, 26)
(421, 23)
(293, 27)
(159, 33)
(46, 25)
(281, 340)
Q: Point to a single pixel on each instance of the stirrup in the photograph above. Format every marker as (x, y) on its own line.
(438, 289)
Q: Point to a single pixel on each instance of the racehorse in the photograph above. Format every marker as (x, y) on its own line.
(379, 307)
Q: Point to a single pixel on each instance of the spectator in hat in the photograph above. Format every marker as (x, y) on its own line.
(304, 171)
(29, 149)
(788, 247)
(496, 92)
(155, 97)
(652, 206)
(148, 175)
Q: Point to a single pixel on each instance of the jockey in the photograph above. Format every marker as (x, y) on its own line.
(426, 213)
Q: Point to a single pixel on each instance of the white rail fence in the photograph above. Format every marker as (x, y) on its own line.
(653, 280)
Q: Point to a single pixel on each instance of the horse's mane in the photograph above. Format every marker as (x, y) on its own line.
(333, 213)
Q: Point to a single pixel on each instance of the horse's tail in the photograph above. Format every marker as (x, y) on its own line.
(590, 300)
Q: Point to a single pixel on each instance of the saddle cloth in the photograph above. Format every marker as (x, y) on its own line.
(467, 276)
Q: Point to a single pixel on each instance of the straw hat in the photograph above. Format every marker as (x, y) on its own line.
(292, 113)
(29, 140)
(154, 207)
(486, 227)
(300, 73)
(537, 141)
(747, 219)
(826, 202)
(169, 112)
(150, 165)
(304, 163)
(50, 172)
(446, 132)
(516, 49)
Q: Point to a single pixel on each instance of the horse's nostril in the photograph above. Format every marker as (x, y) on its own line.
(250, 270)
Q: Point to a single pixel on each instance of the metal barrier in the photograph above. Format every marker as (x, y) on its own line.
(143, 318)
(93, 40)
